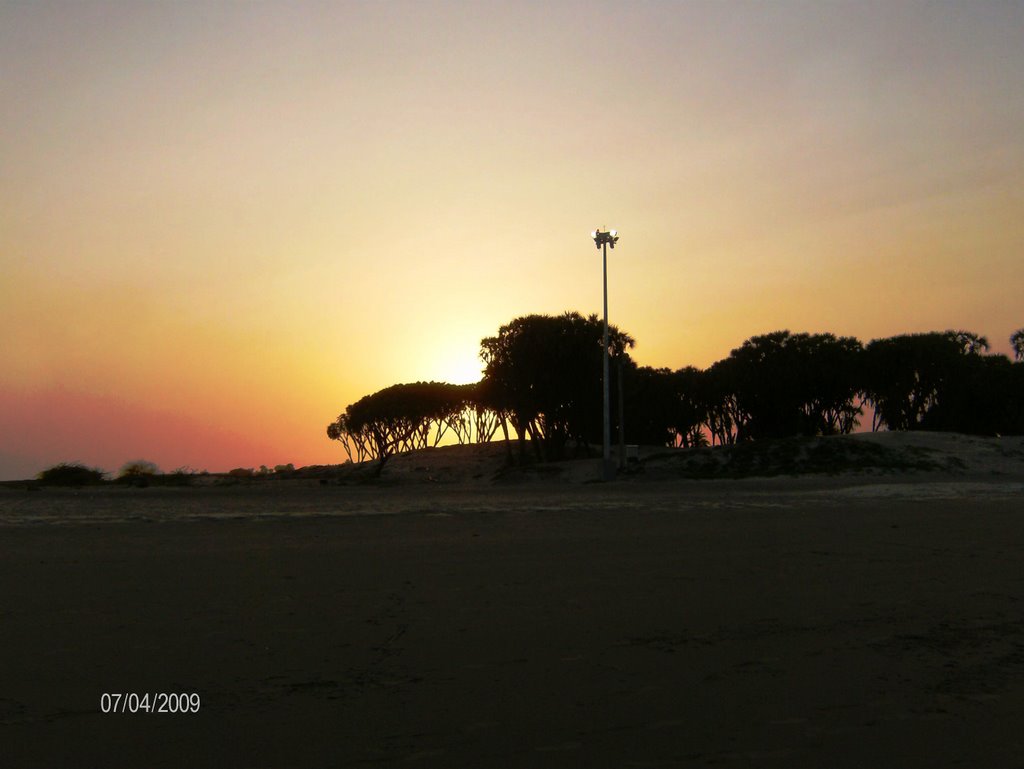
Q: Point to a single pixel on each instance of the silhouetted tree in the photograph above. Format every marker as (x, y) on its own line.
(907, 376)
(831, 367)
(1015, 400)
(355, 440)
(467, 416)
(1017, 342)
(725, 420)
(405, 417)
(970, 343)
(783, 384)
(651, 404)
(691, 414)
(981, 395)
(544, 373)
(542, 377)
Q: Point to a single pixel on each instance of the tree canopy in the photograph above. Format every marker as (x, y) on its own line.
(405, 417)
(544, 374)
(542, 381)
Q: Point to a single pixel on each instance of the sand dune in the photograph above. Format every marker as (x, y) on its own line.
(882, 453)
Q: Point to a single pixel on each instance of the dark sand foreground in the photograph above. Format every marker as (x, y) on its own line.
(743, 623)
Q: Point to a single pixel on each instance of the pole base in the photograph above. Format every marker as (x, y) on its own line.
(609, 469)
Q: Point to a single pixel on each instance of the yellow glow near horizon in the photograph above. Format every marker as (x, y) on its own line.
(460, 368)
(231, 222)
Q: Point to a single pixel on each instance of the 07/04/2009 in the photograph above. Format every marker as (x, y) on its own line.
(157, 702)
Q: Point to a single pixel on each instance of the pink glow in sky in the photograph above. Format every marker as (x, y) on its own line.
(220, 223)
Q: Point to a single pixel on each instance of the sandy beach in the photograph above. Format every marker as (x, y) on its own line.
(842, 622)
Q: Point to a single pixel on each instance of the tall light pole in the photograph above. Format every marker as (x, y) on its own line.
(602, 240)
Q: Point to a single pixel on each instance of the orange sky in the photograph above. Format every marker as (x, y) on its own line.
(221, 223)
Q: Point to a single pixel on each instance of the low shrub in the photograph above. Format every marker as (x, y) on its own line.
(70, 474)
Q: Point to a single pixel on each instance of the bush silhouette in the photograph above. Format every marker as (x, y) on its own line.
(138, 468)
(70, 474)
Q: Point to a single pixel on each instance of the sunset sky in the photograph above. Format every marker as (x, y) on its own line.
(221, 223)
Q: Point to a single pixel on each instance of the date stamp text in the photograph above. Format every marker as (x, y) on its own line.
(149, 702)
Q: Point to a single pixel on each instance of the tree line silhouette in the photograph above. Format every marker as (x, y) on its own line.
(542, 383)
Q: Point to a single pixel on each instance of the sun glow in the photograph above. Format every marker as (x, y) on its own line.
(459, 367)
(450, 353)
